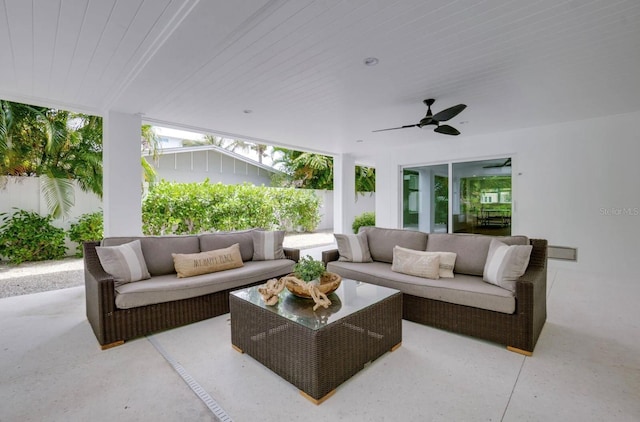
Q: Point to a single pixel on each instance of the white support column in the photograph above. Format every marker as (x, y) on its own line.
(388, 194)
(122, 180)
(344, 193)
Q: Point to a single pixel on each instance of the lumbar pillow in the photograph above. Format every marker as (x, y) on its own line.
(124, 262)
(418, 263)
(267, 245)
(188, 265)
(353, 247)
(505, 264)
(447, 263)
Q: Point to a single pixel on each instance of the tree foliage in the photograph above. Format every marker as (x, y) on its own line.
(57, 145)
(315, 171)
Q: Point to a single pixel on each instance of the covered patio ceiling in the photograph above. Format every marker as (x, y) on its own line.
(292, 73)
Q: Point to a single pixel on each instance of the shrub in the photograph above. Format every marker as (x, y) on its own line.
(364, 219)
(28, 236)
(188, 208)
(88, 227)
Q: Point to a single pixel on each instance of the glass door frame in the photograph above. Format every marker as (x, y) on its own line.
(452, 192)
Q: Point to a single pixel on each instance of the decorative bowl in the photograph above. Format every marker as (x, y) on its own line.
(329, 282)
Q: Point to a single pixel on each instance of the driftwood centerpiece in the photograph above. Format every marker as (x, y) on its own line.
(329, 282)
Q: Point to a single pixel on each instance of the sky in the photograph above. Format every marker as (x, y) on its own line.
(183, 134)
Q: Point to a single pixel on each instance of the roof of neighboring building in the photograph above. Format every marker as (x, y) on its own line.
(200, 148)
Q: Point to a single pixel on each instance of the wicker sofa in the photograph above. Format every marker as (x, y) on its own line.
(121, 312)
(464, 304)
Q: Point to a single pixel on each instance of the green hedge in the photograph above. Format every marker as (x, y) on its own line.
(88, 227)
(187, 208)
(28, 236)
(364, 219)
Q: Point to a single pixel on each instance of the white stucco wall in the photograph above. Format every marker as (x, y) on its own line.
(575, 184)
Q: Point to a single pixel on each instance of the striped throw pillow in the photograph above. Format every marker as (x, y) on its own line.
(353, 247)
(124, 262)
(505, 264)
(267, 245)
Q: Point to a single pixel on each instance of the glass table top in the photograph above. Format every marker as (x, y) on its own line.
(352, 296)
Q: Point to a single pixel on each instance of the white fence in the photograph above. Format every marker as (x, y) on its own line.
(26, 193)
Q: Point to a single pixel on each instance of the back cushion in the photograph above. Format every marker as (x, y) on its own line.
(382, 241)
(213, 241)
(157, 250)
(471, 249)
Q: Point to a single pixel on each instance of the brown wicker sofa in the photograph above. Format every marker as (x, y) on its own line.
(463, 304)
(117, 314)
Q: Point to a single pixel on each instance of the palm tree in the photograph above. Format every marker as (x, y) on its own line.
(315, 171)
(59, 146)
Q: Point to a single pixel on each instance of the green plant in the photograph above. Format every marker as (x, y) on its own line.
(307, 269)
(187, 208)
(364, 219)
(88, 227)
(28, 236)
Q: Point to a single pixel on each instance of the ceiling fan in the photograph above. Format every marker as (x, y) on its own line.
(435, 119)
(507, 163)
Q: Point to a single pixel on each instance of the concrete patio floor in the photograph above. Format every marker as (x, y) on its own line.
(586, 366)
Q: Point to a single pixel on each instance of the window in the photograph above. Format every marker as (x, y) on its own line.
(480, 199)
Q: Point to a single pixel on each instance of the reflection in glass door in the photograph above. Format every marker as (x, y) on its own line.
(426, 198)
(480, 201)
(482, 192)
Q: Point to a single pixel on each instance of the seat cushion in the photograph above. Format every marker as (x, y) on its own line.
(157, 250)
(462, 289)
(471, 249)
(169, 287)
(381, 241)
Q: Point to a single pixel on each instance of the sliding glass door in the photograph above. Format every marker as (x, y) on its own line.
(480, 199)
(426, 198)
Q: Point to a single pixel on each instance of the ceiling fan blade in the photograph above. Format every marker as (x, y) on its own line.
(449, 113)
(447, 130)
(394, 128)
(507, 163)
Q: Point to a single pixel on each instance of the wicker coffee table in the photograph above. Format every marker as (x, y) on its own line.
(317, 351)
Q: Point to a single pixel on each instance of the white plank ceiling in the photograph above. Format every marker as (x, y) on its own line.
(298, 64)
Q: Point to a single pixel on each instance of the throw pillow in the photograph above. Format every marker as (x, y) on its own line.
(505, 264)
(447, 263)
(124, 262)
(353, 247)
(188, 265)
(418, 263)
(267, 245)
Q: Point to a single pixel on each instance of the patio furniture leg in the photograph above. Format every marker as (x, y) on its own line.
(237, 349)
(396, 347)
(111, 345)
(520, 351)
(319, 401)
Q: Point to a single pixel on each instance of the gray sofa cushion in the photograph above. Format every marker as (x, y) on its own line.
(471, 249)
(462, 290)
(169, 287)
(381, 242)
(157, 250)
(213, 241)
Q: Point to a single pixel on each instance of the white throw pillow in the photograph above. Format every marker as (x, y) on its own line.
(267, 245)
(124, 262)
(353, 247)
(505, 264)
(418, 263)
(447, 263)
